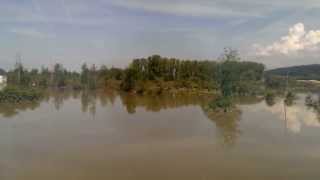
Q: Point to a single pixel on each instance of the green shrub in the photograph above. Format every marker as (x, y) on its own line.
(221, 102)
(14, 94)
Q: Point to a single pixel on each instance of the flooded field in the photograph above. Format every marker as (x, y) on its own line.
(76, 135)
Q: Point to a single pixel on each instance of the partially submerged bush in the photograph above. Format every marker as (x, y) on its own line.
(14, 95)
(221, 103)
(309, 101)
(270, 98)
(290, 97)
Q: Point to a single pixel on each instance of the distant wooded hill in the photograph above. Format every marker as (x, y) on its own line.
(304, 72)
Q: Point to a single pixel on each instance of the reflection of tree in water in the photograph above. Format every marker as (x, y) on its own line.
(108, 96)
(227, 125)
(88, 98)
(12, 109)
(130, 102)
(313, 103)
(270, 100)
(92, 104)
(88, 102)
(59, 96)
(157, 103)
(76, 94)
(247, 100)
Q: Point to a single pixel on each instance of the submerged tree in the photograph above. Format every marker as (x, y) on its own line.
(59, 76)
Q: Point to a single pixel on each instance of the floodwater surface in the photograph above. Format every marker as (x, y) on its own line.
(85, 136)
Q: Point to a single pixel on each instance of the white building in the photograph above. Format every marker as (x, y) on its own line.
(3, 79)
(3, 82)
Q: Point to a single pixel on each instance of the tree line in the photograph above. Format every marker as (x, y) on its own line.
(229, 74)
(90, 77)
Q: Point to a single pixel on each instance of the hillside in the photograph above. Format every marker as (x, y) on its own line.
(304, 72)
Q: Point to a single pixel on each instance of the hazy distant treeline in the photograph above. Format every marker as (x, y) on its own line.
(90, 77)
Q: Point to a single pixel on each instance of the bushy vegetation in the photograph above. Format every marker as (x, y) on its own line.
(60, 77)
(230, 75)
(270, 97)
(289, 98)
(311, 102)
(15, 95)
(221, 103)
(235, 77)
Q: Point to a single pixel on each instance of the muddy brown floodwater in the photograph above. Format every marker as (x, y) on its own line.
(86, 136)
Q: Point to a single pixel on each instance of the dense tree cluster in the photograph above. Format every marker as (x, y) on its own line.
(171, 69)
(230, 75)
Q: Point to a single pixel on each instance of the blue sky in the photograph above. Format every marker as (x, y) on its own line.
(112, 32)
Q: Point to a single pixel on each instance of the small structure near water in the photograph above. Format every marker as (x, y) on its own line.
(3, 80)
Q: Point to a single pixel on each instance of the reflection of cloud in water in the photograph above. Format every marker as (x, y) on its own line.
(298, 115)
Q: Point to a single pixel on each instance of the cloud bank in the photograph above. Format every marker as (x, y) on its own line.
(297, 40)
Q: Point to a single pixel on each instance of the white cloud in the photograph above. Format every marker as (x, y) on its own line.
(297, 40)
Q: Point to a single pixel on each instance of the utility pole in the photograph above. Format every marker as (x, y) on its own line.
(284, 103)
(18, 66)
(287, 81)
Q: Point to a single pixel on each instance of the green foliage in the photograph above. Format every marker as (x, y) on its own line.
(89, 78)
(85, 75)
(289, 98)
(59, 76)
(221, 102)
(230, 75)
(237, 77)
(15, 95)
(156, 67)
(129, 80)
(270, 98)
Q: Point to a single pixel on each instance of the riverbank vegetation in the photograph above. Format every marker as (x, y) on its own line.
(226, 78)
(15, 95)
(144, 75)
